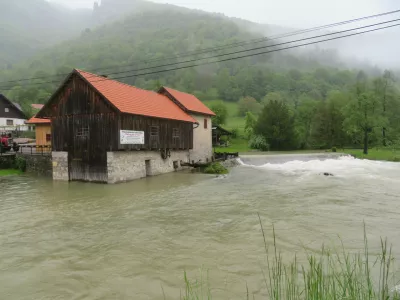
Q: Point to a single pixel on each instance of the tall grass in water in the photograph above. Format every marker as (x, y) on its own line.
(331, 275)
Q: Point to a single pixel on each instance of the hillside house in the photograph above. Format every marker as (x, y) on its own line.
(42, 131)
(107, 131)
(11, 116)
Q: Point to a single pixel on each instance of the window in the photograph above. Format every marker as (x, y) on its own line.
(176, 136)
(205, 124)
(83, 132)
(154, 136)
(176, 133)
(10, 122)
(48, 137)
(6, 109)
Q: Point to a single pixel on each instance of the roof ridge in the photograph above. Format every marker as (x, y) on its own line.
(110, 79)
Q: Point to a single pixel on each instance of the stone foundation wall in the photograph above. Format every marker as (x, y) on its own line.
(37, 164)
(130, 165)
(60, 166)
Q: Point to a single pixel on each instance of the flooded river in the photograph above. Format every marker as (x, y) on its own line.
(134, 240)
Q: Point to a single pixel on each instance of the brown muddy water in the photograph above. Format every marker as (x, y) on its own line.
(133, 240)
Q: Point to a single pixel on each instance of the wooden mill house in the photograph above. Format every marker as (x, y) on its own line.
(107, 131)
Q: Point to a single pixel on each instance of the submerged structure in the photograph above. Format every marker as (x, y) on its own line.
(107, 131)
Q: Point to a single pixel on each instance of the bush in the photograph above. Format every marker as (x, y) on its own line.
(334, 149)
(235, 133)
(216, 168)
(258, 142)
(20, 163)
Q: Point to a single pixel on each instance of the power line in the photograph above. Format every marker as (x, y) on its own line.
(237, 44)
(244, 56)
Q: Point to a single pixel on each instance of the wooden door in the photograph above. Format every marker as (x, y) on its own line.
(86, 158)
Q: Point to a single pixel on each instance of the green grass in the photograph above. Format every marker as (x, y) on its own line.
(240, 145)
(375, 154)
(334, 274)
(233, 120)
(9, 172)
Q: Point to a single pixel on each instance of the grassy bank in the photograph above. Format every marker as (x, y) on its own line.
(9, 172)
(331, 275)
(375, 154)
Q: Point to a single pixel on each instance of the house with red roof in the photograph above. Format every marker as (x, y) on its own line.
(107, 131)
(202, 135)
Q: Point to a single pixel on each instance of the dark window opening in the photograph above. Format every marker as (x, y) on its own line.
(48, 137)
(205, 124)
(83, 132)
(154, 136)
(148, 167)
(10, 122)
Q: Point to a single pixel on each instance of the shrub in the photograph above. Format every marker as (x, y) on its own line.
(20, 163)
(334, 149)
(235, 133)
(216, 168)
(258, 142)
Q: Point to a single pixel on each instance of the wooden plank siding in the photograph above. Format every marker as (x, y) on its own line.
(174, 135)
(43, 131)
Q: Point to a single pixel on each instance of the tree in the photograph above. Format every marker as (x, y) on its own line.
(277, 96)
(276, 125)
(382, 88)
(221, 113)
(250, 123)
(363, 115)
(304, 121)
(248, 104)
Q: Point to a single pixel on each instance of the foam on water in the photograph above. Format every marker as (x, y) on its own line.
(345, 166)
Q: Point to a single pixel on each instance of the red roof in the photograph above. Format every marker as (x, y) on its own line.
(131, 100)
(37, 106)
(35, 120)
(190, 102)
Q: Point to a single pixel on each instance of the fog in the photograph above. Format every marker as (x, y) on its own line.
(292, 13)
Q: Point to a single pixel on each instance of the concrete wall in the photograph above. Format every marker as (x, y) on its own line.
(202, 140)
(130, 165)
(60, 166)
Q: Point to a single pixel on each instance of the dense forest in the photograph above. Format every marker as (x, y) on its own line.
(314, 93)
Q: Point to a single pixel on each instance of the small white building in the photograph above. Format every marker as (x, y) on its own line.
(11, 116)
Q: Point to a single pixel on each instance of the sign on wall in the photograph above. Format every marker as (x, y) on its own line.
(129, 137)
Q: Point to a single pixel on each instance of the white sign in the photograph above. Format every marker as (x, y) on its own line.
(129, 137)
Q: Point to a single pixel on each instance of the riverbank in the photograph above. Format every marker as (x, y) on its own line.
(375, 154)
(10, 172)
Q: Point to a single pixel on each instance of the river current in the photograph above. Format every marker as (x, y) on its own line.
(135, 240)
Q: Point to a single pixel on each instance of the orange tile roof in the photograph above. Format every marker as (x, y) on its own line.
(35, 120)
(131, 100)
(190, 102)
(37, 106)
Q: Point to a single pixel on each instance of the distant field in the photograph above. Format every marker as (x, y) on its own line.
(233, 121)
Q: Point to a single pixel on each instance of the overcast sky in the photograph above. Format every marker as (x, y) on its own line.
(301, 13)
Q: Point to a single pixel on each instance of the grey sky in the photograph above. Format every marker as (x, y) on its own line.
(281, 12)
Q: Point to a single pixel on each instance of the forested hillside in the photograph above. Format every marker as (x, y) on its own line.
(27, 26)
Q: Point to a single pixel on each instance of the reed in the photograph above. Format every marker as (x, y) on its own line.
(331, 275)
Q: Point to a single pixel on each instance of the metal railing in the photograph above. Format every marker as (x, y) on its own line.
(35, 150)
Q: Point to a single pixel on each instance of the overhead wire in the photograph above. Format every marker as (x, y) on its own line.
(213, 49)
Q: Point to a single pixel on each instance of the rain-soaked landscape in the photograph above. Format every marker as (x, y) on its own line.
(136, 240)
